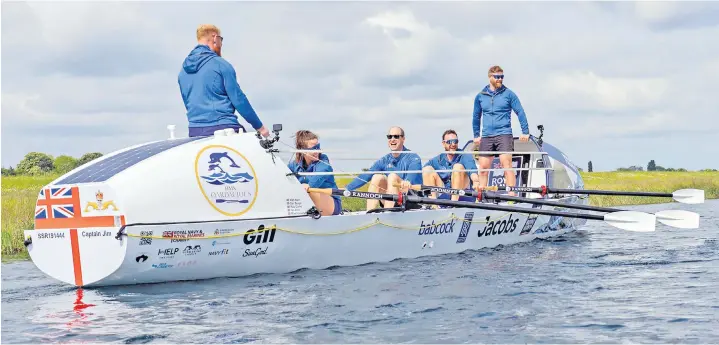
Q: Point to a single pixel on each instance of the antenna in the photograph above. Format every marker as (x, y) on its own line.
(171, 128)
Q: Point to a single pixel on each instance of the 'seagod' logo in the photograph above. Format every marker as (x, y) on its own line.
(227, 179)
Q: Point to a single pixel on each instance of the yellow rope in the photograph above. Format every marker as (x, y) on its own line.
(363, 227)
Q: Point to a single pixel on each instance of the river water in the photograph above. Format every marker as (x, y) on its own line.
(598, 285)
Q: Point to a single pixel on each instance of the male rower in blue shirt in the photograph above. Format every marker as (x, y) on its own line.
(458, 177)
(388, 170)
(493, 107)
(209, 88)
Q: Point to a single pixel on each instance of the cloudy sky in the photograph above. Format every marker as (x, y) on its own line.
(618, 83)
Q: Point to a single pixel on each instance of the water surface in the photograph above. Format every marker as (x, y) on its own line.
(599, 285)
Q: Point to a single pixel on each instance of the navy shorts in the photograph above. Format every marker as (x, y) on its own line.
(502, 143)
(338, 206)
(210, 130)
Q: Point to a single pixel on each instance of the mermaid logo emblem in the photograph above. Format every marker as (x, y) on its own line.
(226, 179)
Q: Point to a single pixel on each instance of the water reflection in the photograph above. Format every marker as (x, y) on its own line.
(79, 310)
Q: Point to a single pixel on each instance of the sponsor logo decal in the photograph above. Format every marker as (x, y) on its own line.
(261, 235)
(50, 235)
(257, 252)
(499, 227)
(192, 250)
(141, 258)
(227, 179)
(182, 235)
(99, 204)
(162, 265)
(167, 253)
(219, 252)
(432, 229)
(223, 231)
(144, 239)
(466, 226)
(91, 234)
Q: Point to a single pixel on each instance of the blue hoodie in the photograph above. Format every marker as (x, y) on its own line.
(388, 163)
(210, 91)
(315, 181)
(497, 109)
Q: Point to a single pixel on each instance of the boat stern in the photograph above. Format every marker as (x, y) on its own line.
(74, 239)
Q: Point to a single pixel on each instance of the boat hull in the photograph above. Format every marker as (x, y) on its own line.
(204, 250)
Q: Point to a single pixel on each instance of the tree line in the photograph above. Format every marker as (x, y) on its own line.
(38, 163)
(651, 166)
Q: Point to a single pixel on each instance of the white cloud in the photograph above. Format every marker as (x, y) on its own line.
(101, 76)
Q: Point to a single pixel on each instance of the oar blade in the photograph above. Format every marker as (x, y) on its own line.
(678, 219)
(689, 196)
(632, 221)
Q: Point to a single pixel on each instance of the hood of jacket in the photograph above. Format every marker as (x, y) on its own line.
(197, 58)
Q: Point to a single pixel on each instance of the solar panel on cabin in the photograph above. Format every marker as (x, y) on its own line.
(102, 171)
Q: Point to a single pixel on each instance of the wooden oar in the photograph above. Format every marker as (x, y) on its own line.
(626, 220)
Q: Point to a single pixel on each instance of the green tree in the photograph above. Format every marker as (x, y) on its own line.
(42, 161)
(65, 163)
(652, 166)
(88, 157)
(589, 167)
(8, 171)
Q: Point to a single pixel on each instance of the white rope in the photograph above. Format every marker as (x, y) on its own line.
(413, 171)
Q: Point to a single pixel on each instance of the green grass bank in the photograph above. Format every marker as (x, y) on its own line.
(19, 194)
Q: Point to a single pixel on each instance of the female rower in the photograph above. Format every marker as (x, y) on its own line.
(315, 162)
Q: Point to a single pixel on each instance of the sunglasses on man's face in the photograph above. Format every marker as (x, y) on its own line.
(393, 136)
(498, 76)
(452, 141)
(316, 147)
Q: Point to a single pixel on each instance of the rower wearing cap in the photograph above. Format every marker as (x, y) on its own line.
(315, 162)
(387, 171)
(459, 177)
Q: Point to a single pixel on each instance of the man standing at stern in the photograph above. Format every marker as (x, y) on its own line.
(493, 107)
(209, 88)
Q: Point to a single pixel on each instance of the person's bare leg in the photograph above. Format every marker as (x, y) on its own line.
(378, 184)
(431, 178)
(392, 179)
(459, 179)
(324, 202)
(510, 177)
(484, 163)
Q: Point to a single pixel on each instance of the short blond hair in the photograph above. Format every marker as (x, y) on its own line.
(495, 69)
(205, 30)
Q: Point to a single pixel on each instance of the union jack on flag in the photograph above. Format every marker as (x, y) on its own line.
(59, 204)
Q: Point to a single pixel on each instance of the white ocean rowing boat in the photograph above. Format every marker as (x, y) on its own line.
(227, 206)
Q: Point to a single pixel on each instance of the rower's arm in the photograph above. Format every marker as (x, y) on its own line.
(476, 116)
(237, 96)
(519, 110)
(363, 179)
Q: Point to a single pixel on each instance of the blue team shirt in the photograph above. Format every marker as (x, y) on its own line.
(389, 163)
(440, 162)
(315, 181)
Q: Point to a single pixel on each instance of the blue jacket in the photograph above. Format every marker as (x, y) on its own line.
(388, 163)
(210, 91)
(315, 181)
(440, 162)
(497, 110)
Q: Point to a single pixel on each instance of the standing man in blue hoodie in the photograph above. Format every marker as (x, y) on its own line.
(209, 88)
(493, 107)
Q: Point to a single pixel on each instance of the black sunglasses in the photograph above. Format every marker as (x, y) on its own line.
(395, 136)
